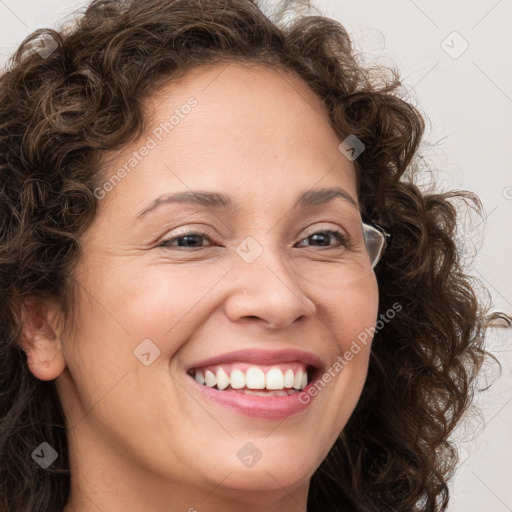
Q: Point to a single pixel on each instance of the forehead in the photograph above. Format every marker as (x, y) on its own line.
(248, 130)
(232, 82)
(251, 107)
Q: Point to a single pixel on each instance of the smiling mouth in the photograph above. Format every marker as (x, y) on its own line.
(261, 380)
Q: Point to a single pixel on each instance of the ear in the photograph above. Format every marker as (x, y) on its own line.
(39, 339)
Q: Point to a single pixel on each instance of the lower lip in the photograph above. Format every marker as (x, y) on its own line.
(271, 407)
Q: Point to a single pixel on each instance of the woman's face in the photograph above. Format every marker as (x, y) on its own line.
(254, 291)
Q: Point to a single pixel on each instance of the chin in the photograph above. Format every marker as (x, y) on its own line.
(264, 476)
(264, 464)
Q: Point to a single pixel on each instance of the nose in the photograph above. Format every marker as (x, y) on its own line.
(269, 292)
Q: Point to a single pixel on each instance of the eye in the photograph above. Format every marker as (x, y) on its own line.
(190, 239)
(323, 237)
(193, 239)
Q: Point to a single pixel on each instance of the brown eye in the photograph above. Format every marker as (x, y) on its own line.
(192, 240)
(323, 238)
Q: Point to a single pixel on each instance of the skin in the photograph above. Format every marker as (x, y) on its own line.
(142, 437)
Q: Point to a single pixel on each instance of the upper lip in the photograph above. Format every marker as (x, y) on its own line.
(262, 357)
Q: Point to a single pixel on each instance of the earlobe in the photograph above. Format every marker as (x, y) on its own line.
(40, 341)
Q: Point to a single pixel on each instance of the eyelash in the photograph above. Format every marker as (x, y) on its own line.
(339, 235)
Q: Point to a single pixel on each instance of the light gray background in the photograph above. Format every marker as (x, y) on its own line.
(468, 100)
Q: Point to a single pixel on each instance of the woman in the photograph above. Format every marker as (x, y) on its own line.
(221, 287)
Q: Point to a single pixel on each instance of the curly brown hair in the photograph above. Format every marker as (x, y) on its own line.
(60, 112)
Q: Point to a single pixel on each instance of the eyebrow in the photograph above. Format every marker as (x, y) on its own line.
(218, 201)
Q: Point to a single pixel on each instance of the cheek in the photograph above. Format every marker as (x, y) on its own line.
(169, 303)
(351, 313)
(134, 300)
(352, 310)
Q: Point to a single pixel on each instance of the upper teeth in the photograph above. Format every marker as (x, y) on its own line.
(253, 378)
